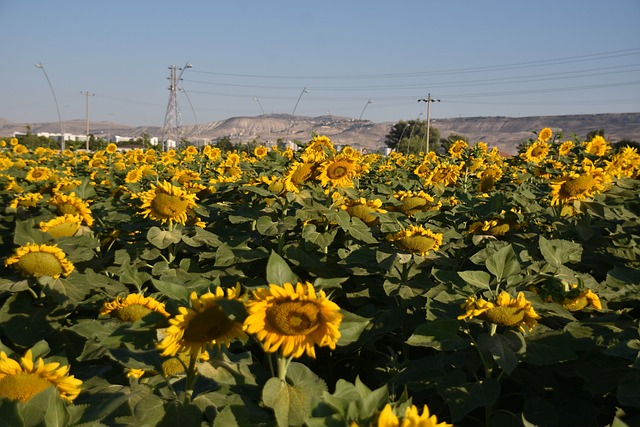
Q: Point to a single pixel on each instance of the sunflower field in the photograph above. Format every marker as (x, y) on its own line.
(321, 287)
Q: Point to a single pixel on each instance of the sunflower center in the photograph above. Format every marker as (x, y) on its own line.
(169, 206)
(301, 174)
(22, 386)
(66, 208)
(337, 170)
(66, 229)
(575, 304)
(40, 264)
(362, 212)
(418, 244)
(294, 317)
(538, 152)
(578, 186)
(131, 313)
(504, 316)
(411, 203)
(209, 325)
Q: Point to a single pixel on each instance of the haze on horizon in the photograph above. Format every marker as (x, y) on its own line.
(340, 58)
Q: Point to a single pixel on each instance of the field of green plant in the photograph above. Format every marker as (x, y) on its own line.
(321, 287)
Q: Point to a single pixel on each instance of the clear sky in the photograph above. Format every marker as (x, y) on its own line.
(479, 58)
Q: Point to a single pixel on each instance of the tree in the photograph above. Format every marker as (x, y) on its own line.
(410, 136)
(224, 143)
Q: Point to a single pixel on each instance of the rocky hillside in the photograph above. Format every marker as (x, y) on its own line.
(506, 133)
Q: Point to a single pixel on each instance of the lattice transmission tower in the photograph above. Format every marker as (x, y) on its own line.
(171, 127)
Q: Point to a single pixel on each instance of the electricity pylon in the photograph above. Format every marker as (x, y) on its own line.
(171, 127)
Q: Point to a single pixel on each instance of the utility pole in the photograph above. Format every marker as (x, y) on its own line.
(87, 95)
(428, 100)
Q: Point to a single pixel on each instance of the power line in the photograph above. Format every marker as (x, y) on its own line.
(528, 64)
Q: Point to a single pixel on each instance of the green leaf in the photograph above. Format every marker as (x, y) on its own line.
(172, 290)
(323, 240)
(440, 334)
(267, 227)
(549, 349)
(351, 327)
(25, 322)
(361, 231)
(477, 278)
(178, 414)
(132, 276)
(559, 252)
(504, 348)
(279, 272)
(161, 239)
(45, 408)
(463, 397)
(503, 263)
(292, 401)
(9, 414)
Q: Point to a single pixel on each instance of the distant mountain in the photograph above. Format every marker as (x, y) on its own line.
(505, 133)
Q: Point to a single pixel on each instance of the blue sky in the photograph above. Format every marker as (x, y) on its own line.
(479, 58)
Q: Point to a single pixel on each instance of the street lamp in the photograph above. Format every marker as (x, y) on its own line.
(39, 65)
(355, 138)
(294, 109)
(255, 98)
(428, 100)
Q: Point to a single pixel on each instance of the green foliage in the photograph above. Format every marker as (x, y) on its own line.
(406, 335)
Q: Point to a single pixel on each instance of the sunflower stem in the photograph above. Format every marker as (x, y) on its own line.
(191, 378)
(283, 366)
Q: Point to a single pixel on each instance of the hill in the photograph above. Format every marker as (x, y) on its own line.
(505, 133)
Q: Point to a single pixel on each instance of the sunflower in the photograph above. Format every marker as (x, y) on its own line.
(446, 174)
(293, 319)
(33, 260)
(498, 226)
(132, 308)
(545, 135)
(111, 148)
(457, 148)
(414, 202)
(573, 186)
(38, 173)
(26, 200)
(565, 148)
(134, 175)
(536, 152)
(202, 326)
(417, 240)
(298, 174)
(584, 299)
(488, 178)
(62, 226)
(66, 185)
(505, 311)
(597, 146)
(186, 176)
(338, 171)
(20, 381)
(71, 204)
(260, 151)
(363, 209)
(165, 202)
(411, 418)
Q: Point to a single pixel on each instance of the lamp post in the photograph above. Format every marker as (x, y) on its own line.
(294, 109)
(360, 118)
(255, 98)
(39, 65)
(428, 100)
(87, 95)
